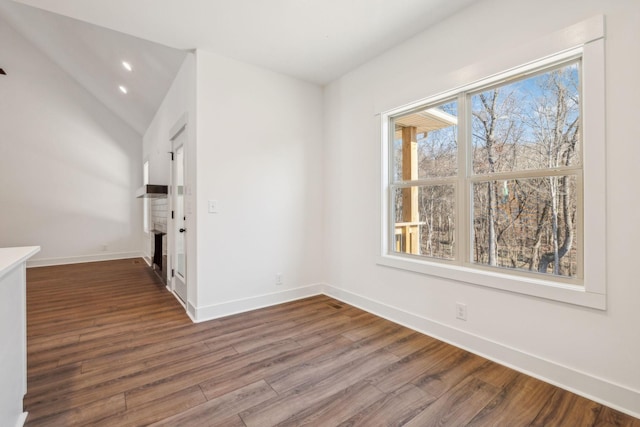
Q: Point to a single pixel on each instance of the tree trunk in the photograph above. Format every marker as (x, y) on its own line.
(535, 250)
(561, 251)
(493, 256)
(559, 152)
(490, 138)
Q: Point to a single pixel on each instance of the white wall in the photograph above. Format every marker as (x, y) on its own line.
(260, 156)
(179, 100)
(178, 105)
(68, 167)
(590, 351)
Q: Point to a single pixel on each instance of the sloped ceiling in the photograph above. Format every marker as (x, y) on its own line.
(313, 40)
(93, 56)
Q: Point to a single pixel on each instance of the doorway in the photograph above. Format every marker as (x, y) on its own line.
(179, 259)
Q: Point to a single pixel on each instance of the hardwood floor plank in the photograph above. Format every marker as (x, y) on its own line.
(52, 342)
(366, 330)
(393, 409)
(203, 373)
(115, 328)
(290, 403)
(611, 418)
(410, 367)
(330, 362)
(234, 421)
(256, 336)
(82, 390)
(54, 377)
(222, 407)
(458, 406)
(565, 408)
(163, 407)
(495, 374)
(199, 352)
(336, 408)
(97, 356)
(42, 368)
(109, 346)
(447, 373)
(137, 348)
(277, 313)
(308, 326)
(62, 326)
(171, 356)
(305, 338)
(411, 343)
(81, 416)
(518, 404)
(265, 368)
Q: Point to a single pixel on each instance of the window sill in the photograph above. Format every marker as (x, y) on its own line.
(571, 294)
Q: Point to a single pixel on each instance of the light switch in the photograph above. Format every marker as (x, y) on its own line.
(213, 206)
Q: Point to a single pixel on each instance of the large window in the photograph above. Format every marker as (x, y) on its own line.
(487, 182)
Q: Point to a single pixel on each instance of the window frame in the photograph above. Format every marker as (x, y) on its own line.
(590, 290)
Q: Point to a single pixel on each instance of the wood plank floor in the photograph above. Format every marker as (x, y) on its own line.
(109, 346)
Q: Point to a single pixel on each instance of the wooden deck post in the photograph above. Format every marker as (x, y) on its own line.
(410, 212)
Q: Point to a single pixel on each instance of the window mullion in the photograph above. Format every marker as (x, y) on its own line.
(463, 230)
(425, 182)
(523, 174)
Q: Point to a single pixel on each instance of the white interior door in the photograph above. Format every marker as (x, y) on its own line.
(179, 278)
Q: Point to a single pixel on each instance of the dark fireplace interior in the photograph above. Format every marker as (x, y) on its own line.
(159, 243)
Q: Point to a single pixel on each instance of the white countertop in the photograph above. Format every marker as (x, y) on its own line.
(10, 257)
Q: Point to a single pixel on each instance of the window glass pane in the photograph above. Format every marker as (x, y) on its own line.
(425, 143)
(425, 221)
(532, 123)
(527, 224)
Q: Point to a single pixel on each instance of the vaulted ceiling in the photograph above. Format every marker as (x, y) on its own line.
(314, 40)
(93, 56)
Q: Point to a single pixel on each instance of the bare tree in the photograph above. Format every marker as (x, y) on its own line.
(559, 132)
(526, 223)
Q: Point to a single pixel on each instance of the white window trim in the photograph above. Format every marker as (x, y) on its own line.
(586, 37)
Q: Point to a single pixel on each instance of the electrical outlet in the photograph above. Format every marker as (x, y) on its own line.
(213, 206)
(461, 311)
(278, 279)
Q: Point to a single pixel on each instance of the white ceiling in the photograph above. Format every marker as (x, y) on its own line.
(93, 56)
(314, 40)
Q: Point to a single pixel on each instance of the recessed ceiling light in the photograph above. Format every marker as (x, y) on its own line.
(127, 66)
(123, 89)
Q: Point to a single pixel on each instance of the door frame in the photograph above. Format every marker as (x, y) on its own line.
(180, 129)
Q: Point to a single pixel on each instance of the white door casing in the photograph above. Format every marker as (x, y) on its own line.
(179, 258)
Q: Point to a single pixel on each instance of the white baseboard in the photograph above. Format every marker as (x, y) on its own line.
(44, 262)
(202, 314)
(191, 312)
(597, 389)
(22, 419)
